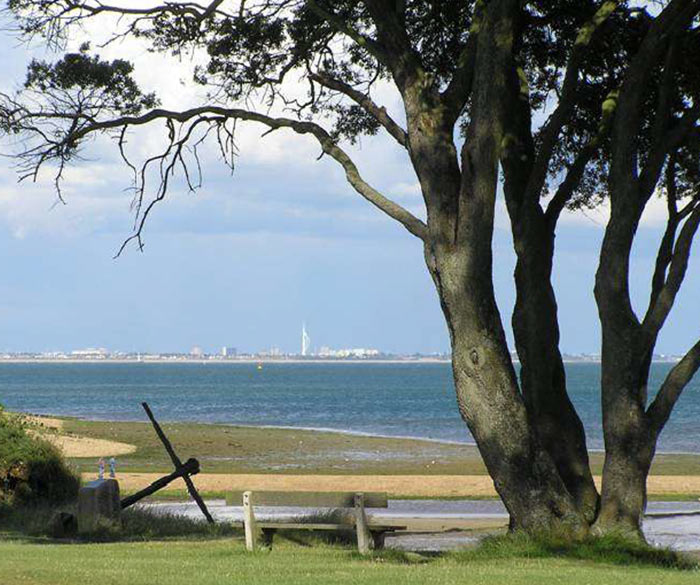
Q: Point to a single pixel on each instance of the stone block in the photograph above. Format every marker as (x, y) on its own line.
(97, 501)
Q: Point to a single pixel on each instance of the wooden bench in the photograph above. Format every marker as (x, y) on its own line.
(348, 514)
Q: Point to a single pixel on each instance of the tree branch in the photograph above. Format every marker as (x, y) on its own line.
(662, 303)
(549, 134)
(378, 113)
(389, 207)
(191, 8)
(676, 15)
(568, 186)
(667, 140)
(364, 41)
(660, 409)
(457, 92)
(399, 55)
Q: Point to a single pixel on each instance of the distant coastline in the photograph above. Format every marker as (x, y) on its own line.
(276, 360)
(205, 361)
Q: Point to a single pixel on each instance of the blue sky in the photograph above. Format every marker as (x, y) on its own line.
(250, 256)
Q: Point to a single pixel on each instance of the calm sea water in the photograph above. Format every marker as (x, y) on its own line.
(415, 400)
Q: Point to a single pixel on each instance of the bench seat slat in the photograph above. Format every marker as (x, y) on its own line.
(323, 526)
(308, 499)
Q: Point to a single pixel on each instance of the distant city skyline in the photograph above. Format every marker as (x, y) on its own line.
(249, 256)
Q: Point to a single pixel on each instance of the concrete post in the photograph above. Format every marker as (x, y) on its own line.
(98, 499)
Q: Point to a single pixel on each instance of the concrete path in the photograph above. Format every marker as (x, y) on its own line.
(439, 525)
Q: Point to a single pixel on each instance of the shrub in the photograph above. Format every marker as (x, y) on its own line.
(32, 470)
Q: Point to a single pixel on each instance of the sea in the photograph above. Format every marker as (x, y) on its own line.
(385, 399)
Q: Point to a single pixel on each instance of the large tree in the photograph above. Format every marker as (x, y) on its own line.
(607, 78)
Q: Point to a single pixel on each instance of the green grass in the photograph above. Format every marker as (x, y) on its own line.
(136, 524)
(214, 562)
(612, 549)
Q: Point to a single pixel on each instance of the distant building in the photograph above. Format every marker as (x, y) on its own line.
(99, 353)
(196, 351)
(228, 351)
(305, 340)
(356, 352)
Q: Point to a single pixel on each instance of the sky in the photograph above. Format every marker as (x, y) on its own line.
(254, 253)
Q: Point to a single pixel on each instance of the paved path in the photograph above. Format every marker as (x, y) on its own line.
(672, 524)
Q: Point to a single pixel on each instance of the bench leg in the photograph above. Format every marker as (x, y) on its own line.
(249, 522)
(267, 535)
(378, 539)
(364, 537)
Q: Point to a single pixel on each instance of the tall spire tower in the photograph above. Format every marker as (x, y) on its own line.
(305, 340)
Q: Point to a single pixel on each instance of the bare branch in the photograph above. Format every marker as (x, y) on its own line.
(660, 409)
(575, 172)
(217, 114)
(661, 305)
(379, 113)
(665, 252)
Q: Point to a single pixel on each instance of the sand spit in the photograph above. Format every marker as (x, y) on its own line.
(51, 429)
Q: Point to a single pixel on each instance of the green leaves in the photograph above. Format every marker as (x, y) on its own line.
(90, 82)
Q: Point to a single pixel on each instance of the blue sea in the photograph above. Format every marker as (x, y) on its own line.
(403, 400)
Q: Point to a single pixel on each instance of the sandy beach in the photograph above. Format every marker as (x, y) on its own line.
(470, 486)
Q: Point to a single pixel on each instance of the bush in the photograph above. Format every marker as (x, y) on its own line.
(32, 470)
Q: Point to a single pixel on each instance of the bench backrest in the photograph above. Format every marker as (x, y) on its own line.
(309, 499)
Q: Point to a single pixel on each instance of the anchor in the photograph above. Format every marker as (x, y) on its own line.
(184, 470)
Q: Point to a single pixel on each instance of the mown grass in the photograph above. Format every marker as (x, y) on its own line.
(152, 548)
(213, 562)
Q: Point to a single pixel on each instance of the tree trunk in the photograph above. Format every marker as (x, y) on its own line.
(629, 448)
(489, 401)
(624, 496)
(629, 444)
(542, 375)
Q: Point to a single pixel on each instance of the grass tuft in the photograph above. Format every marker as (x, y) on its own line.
(137, 524)
(611, 548)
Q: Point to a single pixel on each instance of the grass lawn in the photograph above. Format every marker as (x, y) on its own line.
(209, 562)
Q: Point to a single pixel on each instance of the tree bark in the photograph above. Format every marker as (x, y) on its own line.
(629, 448)
(629, 442)
(542, 374)
(489, 401)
